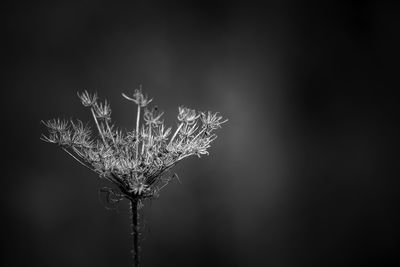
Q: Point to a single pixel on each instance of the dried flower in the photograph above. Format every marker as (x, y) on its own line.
(161, 134)
(212, 120)
(103, 111)
(56, 125)
(137, 153)
(81, 134)
(187, 115)
(138, 98)
(137, 162)
(151, 117)
(87, 99)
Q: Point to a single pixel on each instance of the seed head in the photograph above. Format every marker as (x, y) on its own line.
(212, 120)
(139, 98)
(87, 99)
(161, 133)
(187, 115)
(103, 111)
(151, 117)
(80, 134)
(56, 125)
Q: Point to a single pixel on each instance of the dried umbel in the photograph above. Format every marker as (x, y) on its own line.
(136, 161)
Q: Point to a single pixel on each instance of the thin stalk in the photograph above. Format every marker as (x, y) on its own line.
(69, 153)
(198, 134)
(109, 130)
(150, 131)
(173, 137)
(182, 157)
(143, 140)
(149, 143)
(137, 132)
(142, 153)
(135, 231)
(98, 127)
(180, 141)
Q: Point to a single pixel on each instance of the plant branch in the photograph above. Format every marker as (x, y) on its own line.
(98, 127)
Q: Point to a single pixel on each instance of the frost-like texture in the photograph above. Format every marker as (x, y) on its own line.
(136, 161)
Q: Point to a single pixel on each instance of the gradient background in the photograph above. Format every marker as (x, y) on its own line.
(304, 174)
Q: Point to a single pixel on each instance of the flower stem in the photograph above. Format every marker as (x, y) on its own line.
(111, 133)
(135, 231)
(137, 132)
(198, 134)
(173, 137)
(98, 127)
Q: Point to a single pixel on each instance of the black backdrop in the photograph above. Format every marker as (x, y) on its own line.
(303, 174)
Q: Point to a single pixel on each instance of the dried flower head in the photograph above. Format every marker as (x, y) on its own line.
(80, 134)
(136, 161)
(139, 98)
(103, 111)
(56, 125)
(87, 99)
(187, 115)
(151, 117)
(211, 120)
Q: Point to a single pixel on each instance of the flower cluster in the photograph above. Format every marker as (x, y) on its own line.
(136, 161)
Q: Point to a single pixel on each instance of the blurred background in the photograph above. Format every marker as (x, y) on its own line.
(305, 173)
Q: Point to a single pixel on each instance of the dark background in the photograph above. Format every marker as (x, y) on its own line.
(305, 173)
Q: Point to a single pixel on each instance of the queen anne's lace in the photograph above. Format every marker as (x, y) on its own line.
(135, 161)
